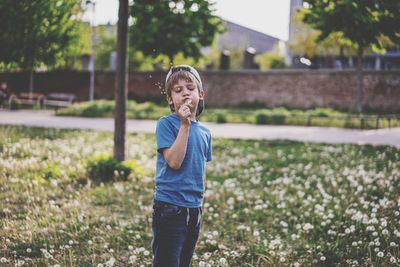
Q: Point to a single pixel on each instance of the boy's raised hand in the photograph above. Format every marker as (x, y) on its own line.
(185, 113)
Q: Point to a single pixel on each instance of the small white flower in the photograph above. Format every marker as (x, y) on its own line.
(222, 261)
(322, 258)
(308, 227)
(380, 254)
(132, 259)
(29, 250)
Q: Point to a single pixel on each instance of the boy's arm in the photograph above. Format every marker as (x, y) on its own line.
(176, 153)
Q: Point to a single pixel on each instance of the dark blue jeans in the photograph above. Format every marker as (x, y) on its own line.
(175, 233)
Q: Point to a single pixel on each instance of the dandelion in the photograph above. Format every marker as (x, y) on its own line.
(323, 258)
(222, 261)
(380, 254)
(29, 250)
(132, 259)
(393, 259)
(3, 260)
(110, 262)
(308, 227)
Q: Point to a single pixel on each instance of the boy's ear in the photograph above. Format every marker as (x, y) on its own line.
(202, 93)
(169, 100)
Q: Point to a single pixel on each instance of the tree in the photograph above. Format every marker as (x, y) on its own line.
(170, 27)
(305, 40)
(364, 22)
(37, 33)
(121, 81)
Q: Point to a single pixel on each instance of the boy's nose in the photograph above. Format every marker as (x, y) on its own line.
(186, 91)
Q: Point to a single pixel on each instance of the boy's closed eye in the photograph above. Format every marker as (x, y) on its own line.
(178, 89)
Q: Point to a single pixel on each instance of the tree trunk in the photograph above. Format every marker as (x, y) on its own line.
(171, 60)
(121, 81)
(30, 83)
(360, 84)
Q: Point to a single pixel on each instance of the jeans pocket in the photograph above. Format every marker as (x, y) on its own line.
(170, 210)
(165, 209)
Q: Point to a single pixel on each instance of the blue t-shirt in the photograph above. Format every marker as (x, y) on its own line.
(185, 186)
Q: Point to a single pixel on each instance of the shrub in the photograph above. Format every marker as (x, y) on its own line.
(51, 171)
(263, 117)
(103, 168)
(221, 118)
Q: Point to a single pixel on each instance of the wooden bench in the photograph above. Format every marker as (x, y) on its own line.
(58, 100)
(26, 99)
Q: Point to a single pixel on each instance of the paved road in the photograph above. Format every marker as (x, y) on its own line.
(243, 131)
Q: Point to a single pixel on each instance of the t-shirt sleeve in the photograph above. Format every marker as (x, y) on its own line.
(164, 134)
(209, 152)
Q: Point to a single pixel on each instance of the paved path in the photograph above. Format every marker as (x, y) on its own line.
(244, 131)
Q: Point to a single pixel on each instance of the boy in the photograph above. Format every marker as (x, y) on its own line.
(184, 146)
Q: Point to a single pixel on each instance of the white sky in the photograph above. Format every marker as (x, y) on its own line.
(267, 16)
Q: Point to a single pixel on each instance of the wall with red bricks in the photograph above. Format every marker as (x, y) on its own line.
(290, 88)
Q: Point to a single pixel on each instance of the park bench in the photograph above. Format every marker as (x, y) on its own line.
(26, 99)
(58, 100)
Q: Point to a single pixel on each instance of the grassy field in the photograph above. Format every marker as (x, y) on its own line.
(268, 203)
(325, 117)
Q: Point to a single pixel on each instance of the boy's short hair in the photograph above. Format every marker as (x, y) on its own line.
(183, 72)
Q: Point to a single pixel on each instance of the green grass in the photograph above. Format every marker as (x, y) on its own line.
(324, 117)
(267, 203)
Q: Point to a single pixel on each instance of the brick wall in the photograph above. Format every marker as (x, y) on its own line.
(290, 88)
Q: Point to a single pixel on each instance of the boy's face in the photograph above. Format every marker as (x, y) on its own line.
(182, 92)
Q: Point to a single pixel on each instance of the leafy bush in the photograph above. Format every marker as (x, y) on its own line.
(51, 171)
(262, 117)
(271, 60)
(103, 168)
(221, 118)
(324, 112)
(274, 117)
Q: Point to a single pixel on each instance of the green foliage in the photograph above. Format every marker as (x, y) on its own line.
(104, 47)
(169, 27)
(51, 171)
(304, 41)
(269, 203)
(103, 168)
(320, 116)
(271, 60)
(361, 22)
(221, 117)
(38, 33)
(268, 118)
